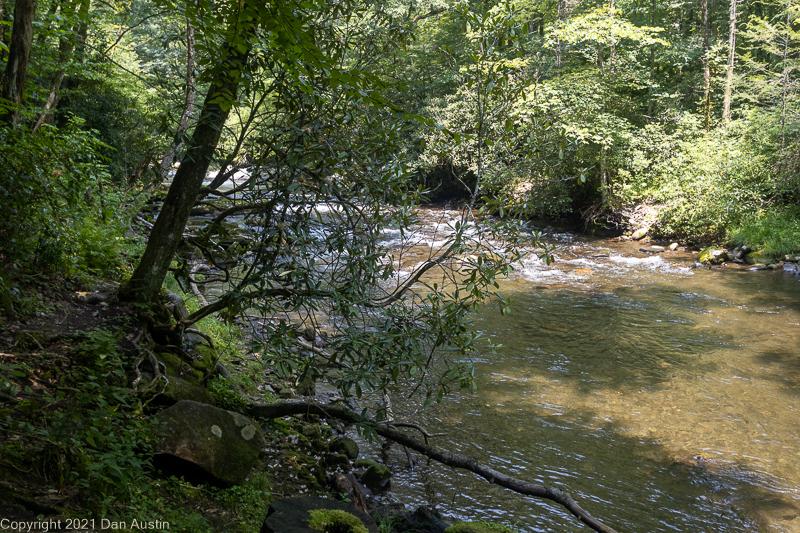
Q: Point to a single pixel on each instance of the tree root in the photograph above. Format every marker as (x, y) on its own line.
(450, 459)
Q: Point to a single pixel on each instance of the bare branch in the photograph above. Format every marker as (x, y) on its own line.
(450, 459)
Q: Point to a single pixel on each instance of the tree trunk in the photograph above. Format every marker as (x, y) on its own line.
(726, 104)
(560, 15)
(611, 11)
(65, 48)
(652, 65)
(188, 108)
(706, 70)
(19, 54)
(786, 73)
(167, 232)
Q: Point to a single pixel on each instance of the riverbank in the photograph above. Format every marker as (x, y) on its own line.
(79, 440)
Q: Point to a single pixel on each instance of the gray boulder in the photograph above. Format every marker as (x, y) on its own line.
(224, 444)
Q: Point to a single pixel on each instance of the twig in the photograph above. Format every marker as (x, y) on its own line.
(425, 434)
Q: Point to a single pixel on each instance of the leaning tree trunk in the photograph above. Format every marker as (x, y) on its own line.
(19, 53)
(66, 46)
(167, 231)
(726, 103)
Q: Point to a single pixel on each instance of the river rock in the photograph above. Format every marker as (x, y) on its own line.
(224, 444)
(291, 515)
(376, 476)
(346, 446)
(713, 256)
(754, 258)
(673, 246)
(639, 234)
(758, 266)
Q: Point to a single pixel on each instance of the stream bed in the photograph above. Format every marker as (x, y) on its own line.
(662, 396)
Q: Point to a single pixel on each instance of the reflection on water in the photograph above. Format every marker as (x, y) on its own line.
(666, 398)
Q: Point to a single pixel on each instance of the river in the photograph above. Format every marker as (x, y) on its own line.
(663, 397)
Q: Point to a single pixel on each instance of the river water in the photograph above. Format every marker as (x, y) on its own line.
(663, 397)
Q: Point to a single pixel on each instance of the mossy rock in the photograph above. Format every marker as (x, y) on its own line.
(755, 258)
(294, 515)
(712, 256)
(336, 459)
(306, 386)
(477, 527)
(317, 431)
(207, 360)
(376, 476)
(335, 520)
(180, 389)
(346, 446)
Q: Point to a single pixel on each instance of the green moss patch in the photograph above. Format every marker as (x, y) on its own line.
(335, 520)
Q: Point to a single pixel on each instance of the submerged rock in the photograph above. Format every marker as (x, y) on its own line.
(224, 444)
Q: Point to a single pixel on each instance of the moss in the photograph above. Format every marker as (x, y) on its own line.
(478, 527)
(208, 358)
(335, 520)
(754, 258)
(376, 476)
(344, 445)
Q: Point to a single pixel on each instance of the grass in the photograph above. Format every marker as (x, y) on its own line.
(775, 233)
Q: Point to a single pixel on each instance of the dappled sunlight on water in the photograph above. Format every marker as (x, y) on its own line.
(665, 397)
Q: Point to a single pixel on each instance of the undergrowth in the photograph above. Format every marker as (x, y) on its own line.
(775, 232)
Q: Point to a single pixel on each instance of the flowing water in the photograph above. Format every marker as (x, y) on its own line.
(663, 397)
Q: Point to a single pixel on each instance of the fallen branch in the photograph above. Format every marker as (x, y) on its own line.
(450, 459)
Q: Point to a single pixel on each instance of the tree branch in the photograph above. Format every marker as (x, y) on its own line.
(450, 459)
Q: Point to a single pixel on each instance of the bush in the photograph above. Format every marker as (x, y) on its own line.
(775, 232)
(62, 212)
(704, 181)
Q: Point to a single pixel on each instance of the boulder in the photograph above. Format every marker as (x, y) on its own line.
(754, 258)
(345, 446)
(180, 389)
(297, 515)
(713, 256)
(673, 246)
(224, 444)
(639, 234)
(376, 476)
